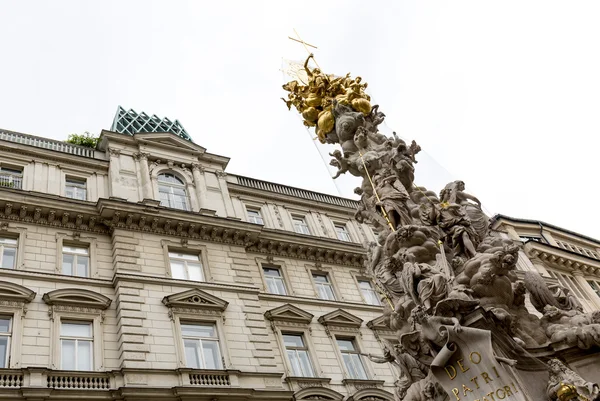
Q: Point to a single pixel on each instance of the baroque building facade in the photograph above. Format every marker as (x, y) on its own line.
(141, 270)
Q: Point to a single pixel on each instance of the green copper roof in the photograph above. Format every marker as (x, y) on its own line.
(130, 122)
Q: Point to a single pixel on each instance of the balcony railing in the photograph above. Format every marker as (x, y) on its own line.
(11, 181)
(45, 143)
(76, 380)
(210, 378)
(296, 192)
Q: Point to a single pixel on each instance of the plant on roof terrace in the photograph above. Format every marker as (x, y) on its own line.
(88, 140)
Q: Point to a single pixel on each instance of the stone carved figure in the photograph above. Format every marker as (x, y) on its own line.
(454, 193)
(565, 384)
(411, 370)
(435, 258)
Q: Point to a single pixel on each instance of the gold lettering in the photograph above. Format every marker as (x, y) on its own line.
(484, 399)
(496, 371)
(491, 394)
(474, 380)
(452, 376)
(507, 390)
(460, 365)
(498, 394)
(478, 357)
(465, 389)
(455, 392)
(486, 377)
(515, 387)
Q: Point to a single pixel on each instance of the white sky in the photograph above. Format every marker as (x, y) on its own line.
(496, 93)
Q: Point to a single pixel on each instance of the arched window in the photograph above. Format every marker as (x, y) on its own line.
(172, 192)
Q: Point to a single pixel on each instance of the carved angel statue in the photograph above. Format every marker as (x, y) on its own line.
(565, 384)
(541, 294)
(410, 369)
(454, 193)
(424, 283)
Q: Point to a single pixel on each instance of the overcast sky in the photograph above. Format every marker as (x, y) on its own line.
(503, 95)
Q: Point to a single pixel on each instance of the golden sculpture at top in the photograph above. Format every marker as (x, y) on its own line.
(315, 100)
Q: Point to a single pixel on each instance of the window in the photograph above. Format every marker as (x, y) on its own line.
(186, 266)
(75, 188)
(76, 261)
(201, 346)
(11, 178)
(324, 287)
(351, 358)
(76, 345)
(369, 294)
(5, 331)
(275, 284)
(595, 286)
(172, 192)
(8, 253)
(297, 353)
(342, 233)
(300, 225)
(254, 217)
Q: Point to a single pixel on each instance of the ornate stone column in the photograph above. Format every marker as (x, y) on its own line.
(200, 182)
(221, 175)
(145, 173)
(114, 168)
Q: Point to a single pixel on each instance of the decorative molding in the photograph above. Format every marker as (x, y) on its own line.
(317, 393)
(368, 390)
(114, 152)
(11, 292)
(340, 319)
(289, 313)
(194, 300)
(77, 297)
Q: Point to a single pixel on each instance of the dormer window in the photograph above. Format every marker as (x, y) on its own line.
(172, 192)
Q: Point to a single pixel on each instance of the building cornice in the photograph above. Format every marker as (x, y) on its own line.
(292, 299)
(563, 259)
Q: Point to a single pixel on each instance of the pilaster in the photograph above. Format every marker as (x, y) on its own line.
(221, 175)
(200, 182)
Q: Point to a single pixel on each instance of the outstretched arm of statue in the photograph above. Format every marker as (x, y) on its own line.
(471, 197)
(308, 71)
(507, 361)
(380, 359)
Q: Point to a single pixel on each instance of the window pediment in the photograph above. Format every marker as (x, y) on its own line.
(77, 297)
(318, 393)
(15, 292)
(169, 139)
(289, 313)
(371, 394)
(340, 318)
(380, 323)
(195, 299)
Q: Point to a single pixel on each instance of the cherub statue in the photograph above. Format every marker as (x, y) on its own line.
(342, 163)
(564, 381)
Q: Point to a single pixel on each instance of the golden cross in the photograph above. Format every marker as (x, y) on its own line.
(299, 40)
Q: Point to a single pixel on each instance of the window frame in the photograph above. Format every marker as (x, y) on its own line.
(190, 248)
(9, 334)
(344, 227)
(10, 170)
(183, 185)
(60, 313)
(280, 278)
(357, 351)
(278, 264)
(76, 256)
(3, 246)
(358, 280)
(81, 242)
(254, 219)
(304, 334)
(77, 340)
(220, 361)
(20, 234)
(328, 272)
(73, 180)
(199, 317)
(304, 221)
